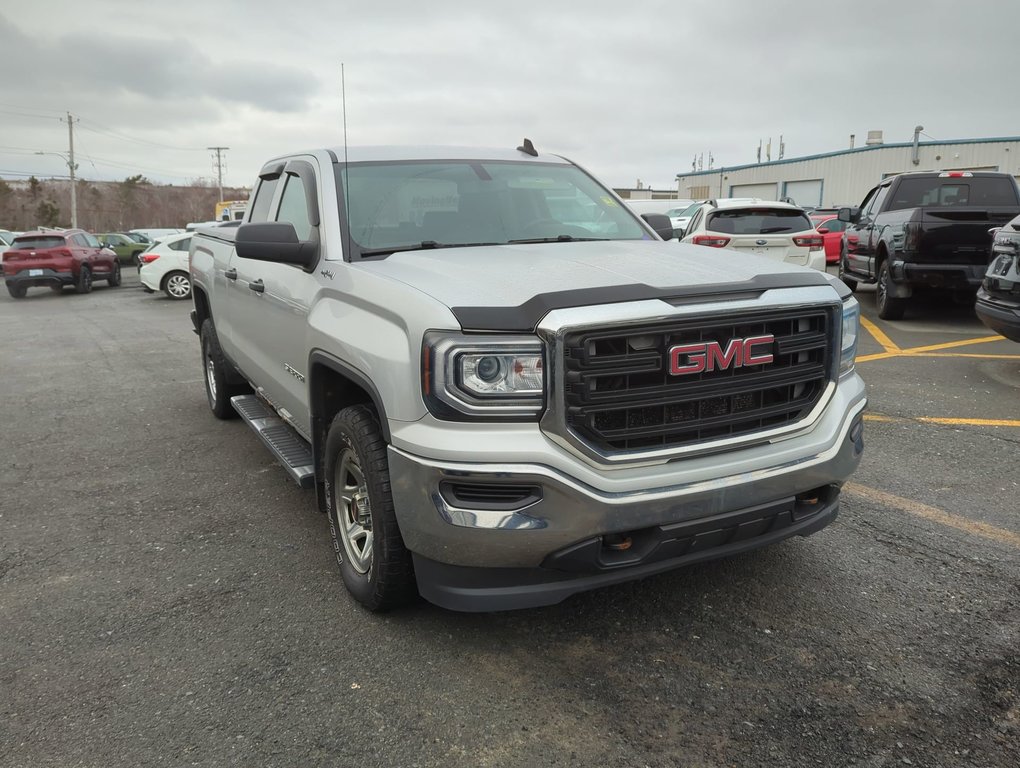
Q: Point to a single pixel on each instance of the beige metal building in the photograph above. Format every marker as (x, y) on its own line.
(844, 177)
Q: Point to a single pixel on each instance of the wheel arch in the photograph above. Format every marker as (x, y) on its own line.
(332, 386)
(202, 309)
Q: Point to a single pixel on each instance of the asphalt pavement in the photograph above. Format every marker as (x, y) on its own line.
(169, 598)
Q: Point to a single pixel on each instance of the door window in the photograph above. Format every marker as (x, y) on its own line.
(90, 240)
(876, 205)
(695, 222)
(867, 203)
(263, 199)
(294, 207)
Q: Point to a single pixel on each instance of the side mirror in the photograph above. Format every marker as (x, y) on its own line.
(275, 241)
(849, 215)
(661, 223)
(823, 230)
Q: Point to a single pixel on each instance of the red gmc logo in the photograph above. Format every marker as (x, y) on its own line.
(685, 359)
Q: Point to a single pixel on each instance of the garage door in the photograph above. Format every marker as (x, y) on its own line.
(807, 192)
(761, 191)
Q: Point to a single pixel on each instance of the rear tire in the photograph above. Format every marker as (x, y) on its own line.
(374, 563)
(889, 307)
(177, 285)
(17, 291)
(114, 279)
(221, 380)
(84, 282)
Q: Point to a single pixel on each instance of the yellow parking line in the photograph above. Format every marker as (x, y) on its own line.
(878, 356)
(936, 515)
(964, 354)
(882, 418)
(879, 335)
(952, 344)
(972, 422)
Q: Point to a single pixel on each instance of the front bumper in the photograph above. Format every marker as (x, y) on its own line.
(999, 314)
(46, 277)
(559, 538)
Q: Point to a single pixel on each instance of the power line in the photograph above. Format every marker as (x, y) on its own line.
(102, 129)
(27, 114)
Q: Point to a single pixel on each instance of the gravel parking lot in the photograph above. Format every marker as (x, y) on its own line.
(168, 597)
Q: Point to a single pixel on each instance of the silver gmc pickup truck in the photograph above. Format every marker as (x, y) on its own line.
(505, 388)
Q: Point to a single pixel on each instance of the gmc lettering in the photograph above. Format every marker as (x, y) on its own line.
(685, 359)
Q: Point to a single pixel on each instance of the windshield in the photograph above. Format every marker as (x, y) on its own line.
(407, 205)
(38, 242)
(691, 209)
(758, 221)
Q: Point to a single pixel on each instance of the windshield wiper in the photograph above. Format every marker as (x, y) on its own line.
(424, 245)
(558, 239)
(773, 230)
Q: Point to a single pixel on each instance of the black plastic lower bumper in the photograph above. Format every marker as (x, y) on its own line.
(950, 276)
(999, 315)
(603, 561)
(24, 279)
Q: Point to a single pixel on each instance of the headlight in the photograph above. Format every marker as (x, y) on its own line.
(483, 377)
(848, 337)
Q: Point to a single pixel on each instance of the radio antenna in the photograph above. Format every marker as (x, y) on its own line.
(347, 183)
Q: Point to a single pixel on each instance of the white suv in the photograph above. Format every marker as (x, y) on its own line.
(778, 230)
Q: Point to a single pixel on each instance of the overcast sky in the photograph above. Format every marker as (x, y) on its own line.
(632, 90)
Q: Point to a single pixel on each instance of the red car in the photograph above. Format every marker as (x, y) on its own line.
(56, 258)
(831, 229)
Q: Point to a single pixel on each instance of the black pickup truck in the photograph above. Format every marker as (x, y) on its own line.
(925, 231)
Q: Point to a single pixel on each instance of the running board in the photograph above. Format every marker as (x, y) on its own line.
(289, 448)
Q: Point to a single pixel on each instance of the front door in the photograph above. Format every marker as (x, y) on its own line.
(270, 324)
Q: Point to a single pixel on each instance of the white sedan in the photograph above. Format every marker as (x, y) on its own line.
(165, 267)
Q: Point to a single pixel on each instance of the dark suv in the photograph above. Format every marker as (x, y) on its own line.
(55, 258)
(998, 299)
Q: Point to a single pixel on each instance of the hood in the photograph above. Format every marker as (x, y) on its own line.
(548, 276)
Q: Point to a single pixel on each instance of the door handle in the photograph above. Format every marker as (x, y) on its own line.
(230, 274)
(258, 286)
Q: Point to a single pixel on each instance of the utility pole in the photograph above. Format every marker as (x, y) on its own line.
(219, 166)
(72, 167)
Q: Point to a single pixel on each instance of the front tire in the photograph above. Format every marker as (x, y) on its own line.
(889, 307)
(114, 279)
(84, 282)
(849, 282)
(221, 381)
(177, 285)
(374, 563)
